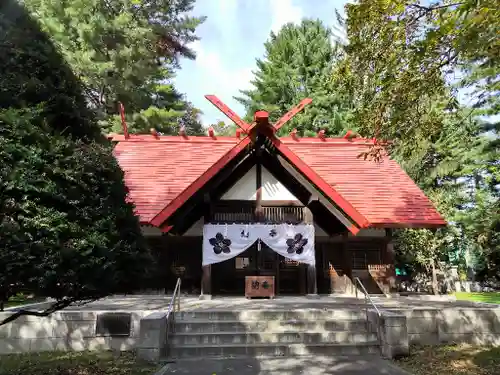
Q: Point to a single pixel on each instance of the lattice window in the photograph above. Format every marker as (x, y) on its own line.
(332, 256)
(364, 253)
(244, 212)
(288, 263)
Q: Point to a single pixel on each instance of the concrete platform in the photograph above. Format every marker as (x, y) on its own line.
(189, 303)
(126, 303)
(193, 303)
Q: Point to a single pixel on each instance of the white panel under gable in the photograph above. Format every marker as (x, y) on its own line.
(244, 188)
(148, 231)
(196, 229)
(369, 232)
(272, 189)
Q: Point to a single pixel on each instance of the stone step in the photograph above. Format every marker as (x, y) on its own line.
(211, 326)
(271, 350)
(263, 315)
(257, 338)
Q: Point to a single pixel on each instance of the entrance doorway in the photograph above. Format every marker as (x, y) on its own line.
(228, 277)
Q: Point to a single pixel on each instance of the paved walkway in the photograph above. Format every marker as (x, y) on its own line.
(317, 365)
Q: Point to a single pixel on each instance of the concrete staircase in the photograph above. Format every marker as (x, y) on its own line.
(268, 333)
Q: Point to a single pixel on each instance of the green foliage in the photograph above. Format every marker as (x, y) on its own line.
(400, 70)
(167, 121)
(481, 223)
(298, 64)
(65, 228)
(124, 51)
(71, 363)
(397, 95)
(223, 129)
(400, 54)
(32, 72)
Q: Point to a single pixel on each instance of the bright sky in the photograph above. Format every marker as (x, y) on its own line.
(232, 38)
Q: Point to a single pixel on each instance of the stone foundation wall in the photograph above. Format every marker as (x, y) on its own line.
(391, 329)
(152, 344)
(68, 330)
(461, 325)
(398, 329)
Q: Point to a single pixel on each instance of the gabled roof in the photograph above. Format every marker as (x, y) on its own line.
(158, 171)
(382, 192)
(162, 173)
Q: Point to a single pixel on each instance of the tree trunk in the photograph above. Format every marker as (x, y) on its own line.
(434, 279)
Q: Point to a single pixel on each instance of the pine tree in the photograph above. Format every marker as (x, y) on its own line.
(65, 228)
(124, 51)
(298, 64)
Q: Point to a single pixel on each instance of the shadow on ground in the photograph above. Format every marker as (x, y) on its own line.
(317, 365)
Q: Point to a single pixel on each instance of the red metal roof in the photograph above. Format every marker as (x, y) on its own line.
(162, 173)
(382, 192)
(158, 170)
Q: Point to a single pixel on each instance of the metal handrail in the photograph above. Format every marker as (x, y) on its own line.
(175, 296)
(172, 310)
(367, 297)
(369, 324)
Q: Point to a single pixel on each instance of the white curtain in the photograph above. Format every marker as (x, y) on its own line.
(225, 241)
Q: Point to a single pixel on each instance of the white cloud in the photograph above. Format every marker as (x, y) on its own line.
(220, 78)
(228, 48)
(221, 72)
(283, 12)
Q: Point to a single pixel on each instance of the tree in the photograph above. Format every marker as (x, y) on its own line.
(298, 64)
(190, 120)
(223, 129)
(400, 56)
(183, 114)
(65, 228)
(124, 51)
(396, 70)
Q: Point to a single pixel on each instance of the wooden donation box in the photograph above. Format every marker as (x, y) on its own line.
(259, 286)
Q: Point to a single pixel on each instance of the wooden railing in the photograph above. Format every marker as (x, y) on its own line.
(384, 275)
(244, 212)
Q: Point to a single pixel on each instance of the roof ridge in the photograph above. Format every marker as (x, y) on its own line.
(235, 139)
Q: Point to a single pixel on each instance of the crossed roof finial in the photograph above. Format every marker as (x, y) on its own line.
(261, 118)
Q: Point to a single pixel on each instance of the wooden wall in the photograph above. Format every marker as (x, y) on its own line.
(338, 260)
(176, 257)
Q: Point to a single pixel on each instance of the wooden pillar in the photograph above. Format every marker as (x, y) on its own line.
(389, 255)
(312, 288)
(258, 214)
(347, 255)
(389, 259)
(206, 271)
(206, 282)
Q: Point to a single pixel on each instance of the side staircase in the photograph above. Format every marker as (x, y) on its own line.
(270, 333)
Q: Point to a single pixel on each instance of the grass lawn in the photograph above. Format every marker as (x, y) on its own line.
(489, 297)
(74, 363)
(452, 360)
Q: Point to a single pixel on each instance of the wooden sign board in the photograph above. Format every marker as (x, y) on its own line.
(259, 286)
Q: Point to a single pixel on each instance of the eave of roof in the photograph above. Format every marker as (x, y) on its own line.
(299, 152)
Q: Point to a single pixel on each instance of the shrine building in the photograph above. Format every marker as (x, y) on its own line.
(308, 211)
